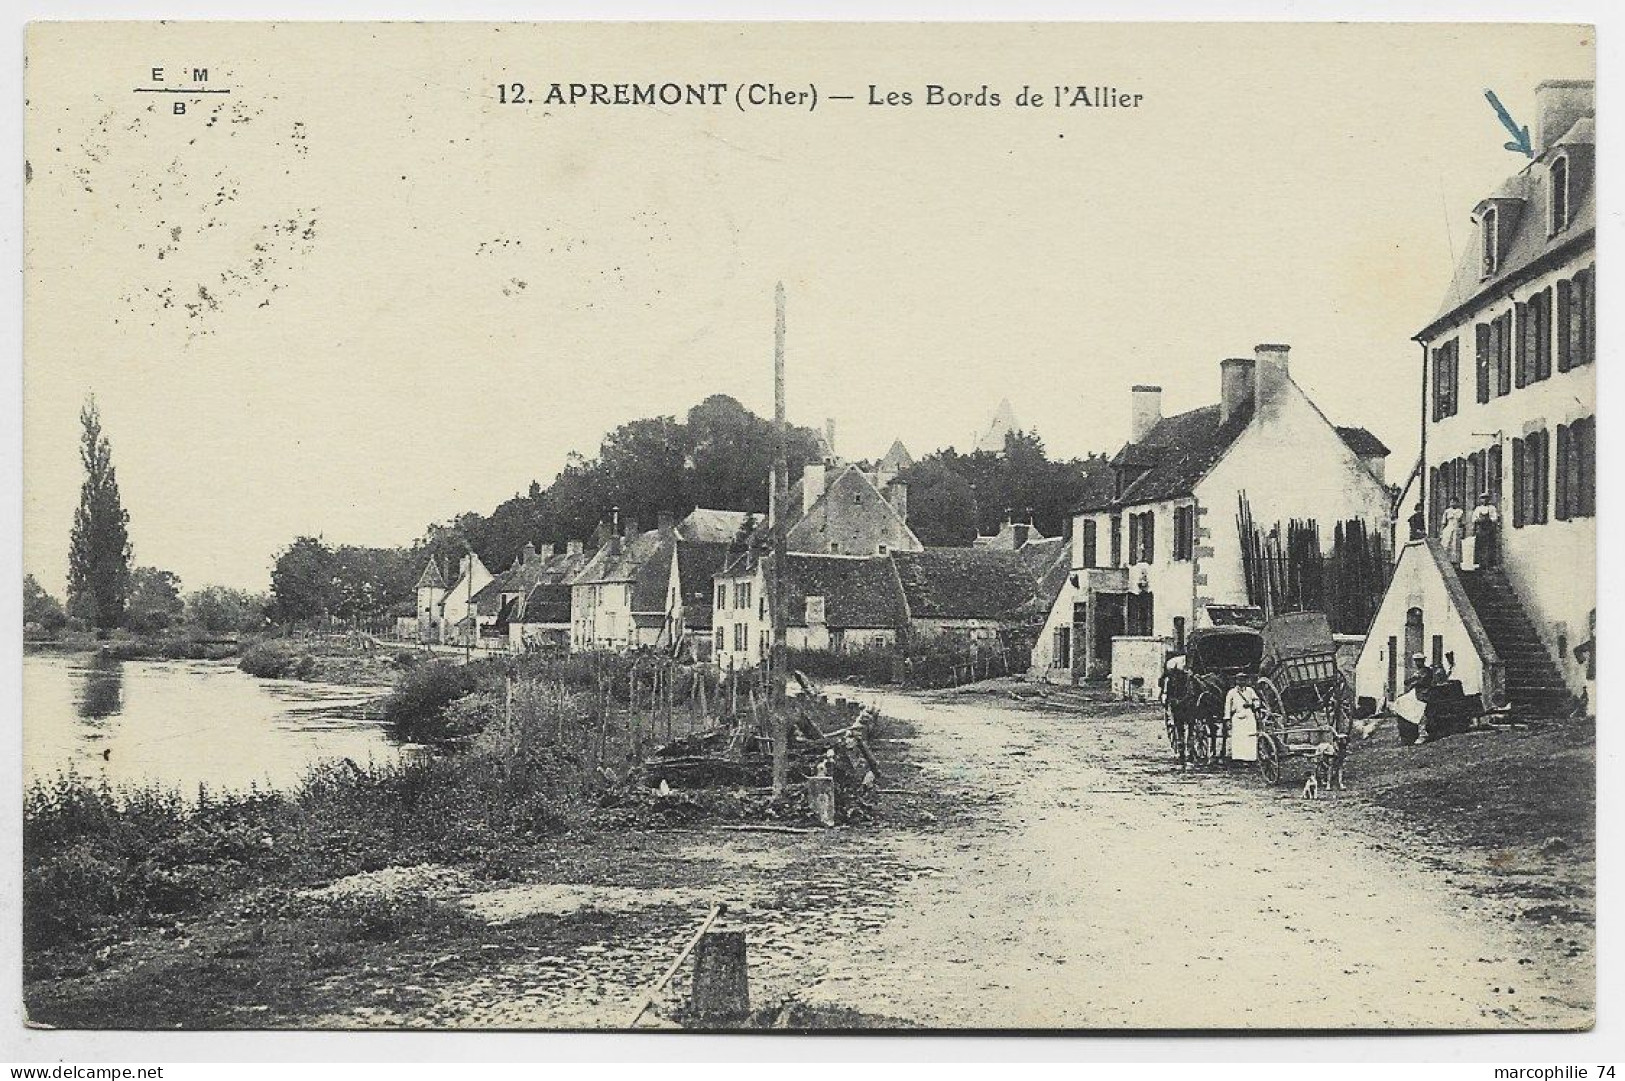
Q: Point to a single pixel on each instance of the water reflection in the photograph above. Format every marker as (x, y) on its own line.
(182, 724)
(100, 691)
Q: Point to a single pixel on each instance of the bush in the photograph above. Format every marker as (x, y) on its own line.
(415, 710)
(268, 661)
(408, 658)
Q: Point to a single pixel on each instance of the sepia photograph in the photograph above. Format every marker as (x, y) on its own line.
(719, 527)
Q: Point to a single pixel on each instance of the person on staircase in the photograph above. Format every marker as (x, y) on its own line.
(1486, 525)
(1450, 532)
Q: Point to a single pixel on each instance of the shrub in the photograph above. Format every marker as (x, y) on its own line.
(268, 661)
(415, 710)
(408, 658)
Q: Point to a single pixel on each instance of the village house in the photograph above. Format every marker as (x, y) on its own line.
(1509, 392)
(443, 609)
(518, 610)
(1013, 535)
(834, 603)
(839, 604)
(1158, 551)
(838, 508)
(626, 596)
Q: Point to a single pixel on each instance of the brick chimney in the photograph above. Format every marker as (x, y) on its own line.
(1558, 104)
(665, 522)
(528, 554)
(1145, 409)
(1271, 373)
(573, 548)
(1236, 376)
(629, 528)
(829, 437)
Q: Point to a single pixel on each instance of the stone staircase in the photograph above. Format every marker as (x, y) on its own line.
(1535, 688)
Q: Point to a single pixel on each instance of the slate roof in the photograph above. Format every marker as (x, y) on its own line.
(1362, 442)
(713, 526)
(431, 578)
(697, 563)
(1050, 563)
(859, 593)
(548, 603)
(963, 583)
(1529, 242)
(619, 559)
(1175, 454)
(521, 578)
(897, 458)
(1178, 452)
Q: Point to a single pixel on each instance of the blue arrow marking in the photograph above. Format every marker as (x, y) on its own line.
(1520, 136)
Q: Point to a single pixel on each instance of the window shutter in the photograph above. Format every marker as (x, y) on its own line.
(1587, 453)
(1564, 444)
(1519, 498)
(1543, 475)
(1543, 335)
(1150, 536)
(1481, 360)
(1492, 466)
(1521, 329)
(1503, 352)
(1586, 313)
(1565, 301)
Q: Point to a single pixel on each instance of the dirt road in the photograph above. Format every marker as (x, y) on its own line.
(1100, 887)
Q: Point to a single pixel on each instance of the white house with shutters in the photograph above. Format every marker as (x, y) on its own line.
(1509, 376)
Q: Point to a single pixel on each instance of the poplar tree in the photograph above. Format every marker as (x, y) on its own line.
(99, 547)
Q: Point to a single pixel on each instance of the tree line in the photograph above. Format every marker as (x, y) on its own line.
(719, 455)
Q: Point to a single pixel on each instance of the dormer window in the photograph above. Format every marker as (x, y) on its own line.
(1492, 245)
(1559, 178)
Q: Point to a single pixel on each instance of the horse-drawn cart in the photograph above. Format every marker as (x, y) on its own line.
(1308, 704)
(1195, 684)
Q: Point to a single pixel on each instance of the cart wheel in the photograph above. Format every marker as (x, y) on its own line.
(1269, 760)
(1201, 742)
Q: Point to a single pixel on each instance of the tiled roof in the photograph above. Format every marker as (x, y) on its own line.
(1049, 562)
(859, 593)
(1530, 239)
(963, 583)
(1362, 442)
(521, 578)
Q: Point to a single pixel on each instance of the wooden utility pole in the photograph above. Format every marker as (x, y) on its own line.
(778, 716)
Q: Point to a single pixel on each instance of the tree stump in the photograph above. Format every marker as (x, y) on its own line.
(721, 979)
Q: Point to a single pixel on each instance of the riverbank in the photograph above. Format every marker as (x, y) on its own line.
(367, 887)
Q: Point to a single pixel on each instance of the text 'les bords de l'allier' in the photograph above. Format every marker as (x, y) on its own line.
(747, 96)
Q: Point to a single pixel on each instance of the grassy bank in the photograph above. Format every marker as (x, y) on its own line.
(125, 646)
(238, 907)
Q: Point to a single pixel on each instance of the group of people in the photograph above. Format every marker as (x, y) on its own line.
(1484, 524)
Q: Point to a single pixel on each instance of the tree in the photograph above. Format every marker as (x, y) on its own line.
(220, 610)
(99, 550)
(155, 600)
(304, 585)
(941, 504)
(40, 608)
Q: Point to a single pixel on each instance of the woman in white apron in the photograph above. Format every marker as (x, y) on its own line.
(1241, 708)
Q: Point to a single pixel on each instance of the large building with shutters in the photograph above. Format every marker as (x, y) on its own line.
(1509, 411)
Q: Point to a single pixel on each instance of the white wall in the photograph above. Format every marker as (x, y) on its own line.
(1417, 583)
(1551, 566)
(1292, 464)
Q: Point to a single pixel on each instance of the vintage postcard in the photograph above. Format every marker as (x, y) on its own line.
(809, 526)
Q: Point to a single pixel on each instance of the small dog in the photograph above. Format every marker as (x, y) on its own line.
(1311, 785)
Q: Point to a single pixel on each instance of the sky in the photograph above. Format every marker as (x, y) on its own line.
(357, 295)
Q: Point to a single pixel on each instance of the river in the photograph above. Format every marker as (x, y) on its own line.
(181, 724)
